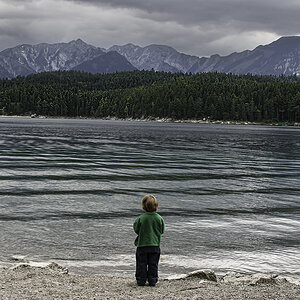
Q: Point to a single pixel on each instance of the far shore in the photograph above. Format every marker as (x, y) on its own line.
(160, 120)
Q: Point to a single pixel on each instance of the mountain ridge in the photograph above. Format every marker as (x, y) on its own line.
(27, 59)
(285, 59)
(157, 57)
(281, 57)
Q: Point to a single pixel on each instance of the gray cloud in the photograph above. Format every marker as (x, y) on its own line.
(198, 27)
(277, 15)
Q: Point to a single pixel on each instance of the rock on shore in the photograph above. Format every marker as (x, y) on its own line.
(53, 282)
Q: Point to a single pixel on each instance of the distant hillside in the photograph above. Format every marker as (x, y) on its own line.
(108, 63)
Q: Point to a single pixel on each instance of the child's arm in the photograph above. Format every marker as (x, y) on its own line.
(137, 225)
(162, 226)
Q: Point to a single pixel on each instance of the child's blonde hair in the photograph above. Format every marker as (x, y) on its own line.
(149, 203)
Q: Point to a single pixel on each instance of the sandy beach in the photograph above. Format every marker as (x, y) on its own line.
(53, 282)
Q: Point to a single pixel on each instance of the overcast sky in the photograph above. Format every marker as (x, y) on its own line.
(197, 27)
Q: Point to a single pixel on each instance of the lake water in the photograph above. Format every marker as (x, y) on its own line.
(70, 191)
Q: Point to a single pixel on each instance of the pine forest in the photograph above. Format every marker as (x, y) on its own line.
(150, 94)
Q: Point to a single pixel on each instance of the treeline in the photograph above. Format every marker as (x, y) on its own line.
(144, 94)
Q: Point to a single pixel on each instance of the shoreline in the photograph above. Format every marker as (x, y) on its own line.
(53, 282)
(162, 120)
(101, 268)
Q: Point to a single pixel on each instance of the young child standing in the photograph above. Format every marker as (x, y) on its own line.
(149, 227)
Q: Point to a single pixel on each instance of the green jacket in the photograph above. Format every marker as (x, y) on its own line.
(149, 227)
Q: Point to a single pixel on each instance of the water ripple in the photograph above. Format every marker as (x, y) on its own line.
(72, 189)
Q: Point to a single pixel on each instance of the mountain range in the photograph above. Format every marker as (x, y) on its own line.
(280, 57)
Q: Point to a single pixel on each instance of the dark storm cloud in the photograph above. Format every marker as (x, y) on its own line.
(215, 26)
(275, 15)
(199, 27)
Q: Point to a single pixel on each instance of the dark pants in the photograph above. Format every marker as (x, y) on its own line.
(147, 259)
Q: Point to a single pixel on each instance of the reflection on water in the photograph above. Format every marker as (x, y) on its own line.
(71, 189)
